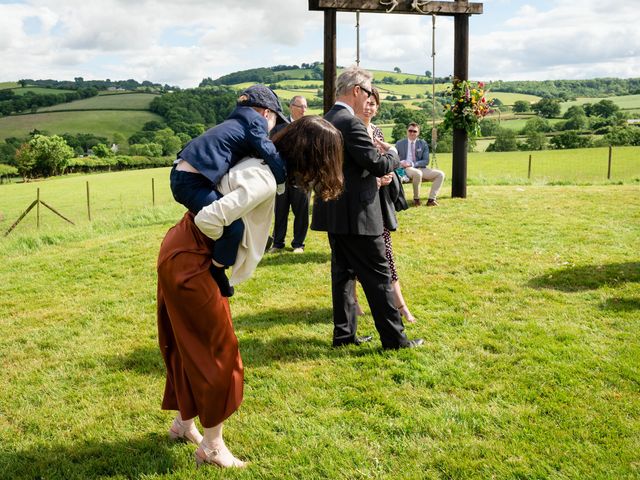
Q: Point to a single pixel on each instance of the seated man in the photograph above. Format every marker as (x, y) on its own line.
(414, 155)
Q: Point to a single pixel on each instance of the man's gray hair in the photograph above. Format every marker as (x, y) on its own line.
(295, 99)
(351, 77)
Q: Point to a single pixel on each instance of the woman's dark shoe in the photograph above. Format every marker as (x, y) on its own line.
(221, 279)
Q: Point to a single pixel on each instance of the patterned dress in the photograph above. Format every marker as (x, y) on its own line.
(386, 234)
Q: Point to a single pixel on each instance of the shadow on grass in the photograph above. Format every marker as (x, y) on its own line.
(142, 360)
(588, 277)
(289, 258)
(259, 352)
(283, 316)
(258, 347)
(621, 304)
(150, 455)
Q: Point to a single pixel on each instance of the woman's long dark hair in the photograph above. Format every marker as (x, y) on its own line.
(312, 148)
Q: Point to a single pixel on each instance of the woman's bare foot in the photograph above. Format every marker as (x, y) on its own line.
(404, 311)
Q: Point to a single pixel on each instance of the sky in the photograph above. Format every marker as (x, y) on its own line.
(180, 42)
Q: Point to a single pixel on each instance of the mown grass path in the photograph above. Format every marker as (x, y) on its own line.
(528, 298)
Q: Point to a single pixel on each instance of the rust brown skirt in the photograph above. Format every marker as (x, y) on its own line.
(195, 332)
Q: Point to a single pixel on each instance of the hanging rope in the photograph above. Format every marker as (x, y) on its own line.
(393, 3)
(358, 38)
(434, 130)
(422, 6)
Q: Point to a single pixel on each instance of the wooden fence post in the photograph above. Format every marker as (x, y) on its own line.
(88, 202)
(529, 172)
(609, 169)
(153, 191)
(38, 209)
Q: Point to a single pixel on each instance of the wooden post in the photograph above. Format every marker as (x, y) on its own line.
(330, 62)
(38, 209)
(460, 136)
(529, 173)
(609, 169)
(153, 191)
(88, 202)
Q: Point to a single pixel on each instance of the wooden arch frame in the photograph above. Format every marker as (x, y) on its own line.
(459, 9)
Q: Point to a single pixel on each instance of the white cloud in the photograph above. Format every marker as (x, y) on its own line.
(182, 42)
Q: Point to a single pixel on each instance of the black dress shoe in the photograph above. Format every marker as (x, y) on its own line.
(363, 339)
(410, 344)
(415, 343)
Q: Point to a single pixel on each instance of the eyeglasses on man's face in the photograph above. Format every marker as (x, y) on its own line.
(368, 92)
(412, 131)
(304, 107)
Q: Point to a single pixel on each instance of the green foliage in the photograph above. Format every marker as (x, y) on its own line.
(208, 106)
(489, 127)
(7, 170)
(547, 107)
(102, 151)
(83, 142)
(44, 156)
(604, 108)
(570, 139)
(117, 162)
(566, 89)
(169, 142)
(622, 136)
(150, 149)
(8, 149)
(535, 141)
(536, 124)
(505, 141)
(31, 101)
(521, 106)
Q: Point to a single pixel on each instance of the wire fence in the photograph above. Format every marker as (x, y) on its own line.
(82, 199)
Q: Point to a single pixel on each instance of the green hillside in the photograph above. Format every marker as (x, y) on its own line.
(39, 90)
(103, 123)
(625, 102)
(126, 101)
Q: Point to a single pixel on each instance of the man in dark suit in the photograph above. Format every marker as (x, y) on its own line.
(292, 198)
(354, 222)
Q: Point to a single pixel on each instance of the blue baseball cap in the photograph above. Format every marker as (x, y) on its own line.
(262, 96)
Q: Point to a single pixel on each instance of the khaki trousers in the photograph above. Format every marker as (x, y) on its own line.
(419, 175)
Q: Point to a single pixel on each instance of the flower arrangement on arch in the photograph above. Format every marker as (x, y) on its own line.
(467, 107)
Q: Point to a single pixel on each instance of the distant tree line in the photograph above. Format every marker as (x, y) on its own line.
(30, 102)
(570, 89)
(267, 75)
(79, 82)
(575, 130)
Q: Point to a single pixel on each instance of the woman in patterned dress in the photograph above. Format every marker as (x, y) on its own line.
(388, 209)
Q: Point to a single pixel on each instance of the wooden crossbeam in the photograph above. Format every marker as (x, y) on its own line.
(399, 6)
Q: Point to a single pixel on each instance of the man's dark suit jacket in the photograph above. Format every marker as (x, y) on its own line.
(357, 211)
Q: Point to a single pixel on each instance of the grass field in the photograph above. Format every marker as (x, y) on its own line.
(39, 90)
(8, 85)
(128, 101)
(625, 102)
(527, 296)
(104, 123)
(68, 193)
